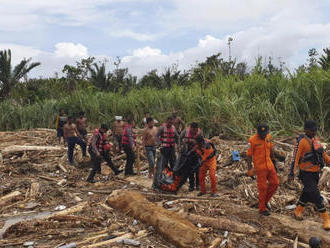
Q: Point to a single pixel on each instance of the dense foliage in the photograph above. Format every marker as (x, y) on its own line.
(222, 95)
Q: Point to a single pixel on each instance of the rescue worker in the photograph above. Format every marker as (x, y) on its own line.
(99, 148)
(73, 137)
(128, 143)
(207, 152)
(61, 119)
(310, 158)
(168, 137)
(188, 142)
(149, 143)
(261, 152)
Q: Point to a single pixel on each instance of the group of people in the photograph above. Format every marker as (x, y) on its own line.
(309, 158)
(176, 140)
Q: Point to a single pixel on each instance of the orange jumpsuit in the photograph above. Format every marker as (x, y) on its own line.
(260, 151)
(207, 164)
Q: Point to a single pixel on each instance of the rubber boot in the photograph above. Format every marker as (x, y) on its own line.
(298, 212)
(326, 220)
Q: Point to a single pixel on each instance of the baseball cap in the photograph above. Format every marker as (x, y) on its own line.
(263, 129)
(310, 125)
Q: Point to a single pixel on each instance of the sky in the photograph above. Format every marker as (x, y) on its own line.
(155, 34)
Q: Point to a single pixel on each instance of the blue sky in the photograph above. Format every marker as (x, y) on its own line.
(150, 34)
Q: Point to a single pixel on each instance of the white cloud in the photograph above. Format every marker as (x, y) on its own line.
(227, 15)
(133, 35)
(71, 50)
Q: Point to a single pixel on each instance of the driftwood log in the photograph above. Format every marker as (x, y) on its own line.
(173, 227)
(17, 148)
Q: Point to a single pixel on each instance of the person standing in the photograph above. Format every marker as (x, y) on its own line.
(261, 152)
(149, 142)
(117, 130)
(82, 125)
(310, 158)
(73, 137)
(128, 143)
(168, 137)
(188, 142)
(207, 152)
(98, 149)
(61, 119)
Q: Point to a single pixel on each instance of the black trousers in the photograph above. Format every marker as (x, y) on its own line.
(72, 141)
(97, 163)
(168, 156)
(130, 159)
(194, 179)
(311, 192)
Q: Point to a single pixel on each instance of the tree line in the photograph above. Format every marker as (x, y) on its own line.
(88, 74)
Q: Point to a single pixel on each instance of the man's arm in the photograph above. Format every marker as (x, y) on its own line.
(144, 137)
(326, 158)
(76, 131)
(159, 133)
(182, 135)
(176, 136)
(57, 122)
(65, 131)
(249, 155)
(93, 144)
(130, 136)
(298, 155)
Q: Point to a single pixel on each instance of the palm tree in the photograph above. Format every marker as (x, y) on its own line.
(8, 77)
(324, 60)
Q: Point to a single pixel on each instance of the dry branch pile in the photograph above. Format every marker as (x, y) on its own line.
(45, 200)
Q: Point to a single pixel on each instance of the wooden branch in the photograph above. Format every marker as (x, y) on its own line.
(49, 179)
(215, 243)
(121, 156)
(62, 168)
(118, 239)
(74, 209)
(9, 197)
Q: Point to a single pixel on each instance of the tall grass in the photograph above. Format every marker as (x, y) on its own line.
(227, 106)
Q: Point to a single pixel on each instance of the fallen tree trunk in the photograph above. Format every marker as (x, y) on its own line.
(173, 227)
(9, 197)
(222, 223)
(17, 148)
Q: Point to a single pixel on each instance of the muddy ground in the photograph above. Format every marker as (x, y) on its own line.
(43, 184)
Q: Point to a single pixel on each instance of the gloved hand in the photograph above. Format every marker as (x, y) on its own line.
(250, 172)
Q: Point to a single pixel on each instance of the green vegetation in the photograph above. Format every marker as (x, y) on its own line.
(221, 95)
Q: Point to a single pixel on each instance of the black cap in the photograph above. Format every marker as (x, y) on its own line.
(310, 125)
(105, 127)
(263, 129)
(315, 242)
(200, 140)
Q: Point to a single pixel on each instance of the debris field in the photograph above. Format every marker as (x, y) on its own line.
(45, 202)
